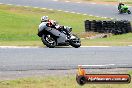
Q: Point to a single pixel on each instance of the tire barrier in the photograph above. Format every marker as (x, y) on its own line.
(114, 27)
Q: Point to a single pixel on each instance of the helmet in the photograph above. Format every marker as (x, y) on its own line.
(44, 18)
(121, 3)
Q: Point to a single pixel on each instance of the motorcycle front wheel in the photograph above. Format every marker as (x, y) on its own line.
(48, 40)
(75, 42)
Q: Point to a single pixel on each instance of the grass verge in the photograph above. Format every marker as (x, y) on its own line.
(18, 26)
(55, 82)
(116, 40)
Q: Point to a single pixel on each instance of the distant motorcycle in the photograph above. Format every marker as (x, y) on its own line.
(52, 37)
(124, 9)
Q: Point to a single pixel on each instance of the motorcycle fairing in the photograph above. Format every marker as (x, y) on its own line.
(61, 37)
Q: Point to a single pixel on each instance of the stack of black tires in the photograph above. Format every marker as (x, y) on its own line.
(114, 27)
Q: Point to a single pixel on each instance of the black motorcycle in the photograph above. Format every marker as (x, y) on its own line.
(52, 37)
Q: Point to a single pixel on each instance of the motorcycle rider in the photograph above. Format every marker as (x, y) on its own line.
(52, 24)
(120, 5)
(49, 23)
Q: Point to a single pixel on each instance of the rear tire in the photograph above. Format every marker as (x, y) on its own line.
(129, 12)
(48, 40)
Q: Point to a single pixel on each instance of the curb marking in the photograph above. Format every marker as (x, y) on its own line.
(59, 10)
(67, 1)
(95, 46)
(93, 3)
(97, 65)
(42, 47)
(69, 46)
(66, 11)
(63, 10)
(55, 0)
(78, 2)
(18, 47)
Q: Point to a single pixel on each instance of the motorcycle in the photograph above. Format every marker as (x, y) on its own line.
(52, 37)
(124, 9)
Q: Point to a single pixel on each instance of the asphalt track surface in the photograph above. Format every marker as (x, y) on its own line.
(84, 8)
(24, 59)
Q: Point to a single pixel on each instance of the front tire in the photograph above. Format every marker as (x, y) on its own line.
(75, 42)
(48, 40)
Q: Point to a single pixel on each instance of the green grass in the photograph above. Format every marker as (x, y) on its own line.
(116, 40)
(21, 24)
(55, 82)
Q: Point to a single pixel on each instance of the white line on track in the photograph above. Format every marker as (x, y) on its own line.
(9, 4)
(72, 12)
(18, 5)
(90, 15)
(55, 0)
(105, 17)
(36, 7)
(78, 13)
(95, 46)
(78, 2)
(42, 47)
(129, 45)
(66, 11)
(67, 1)
(106, 4)
(84, 14)
(19, 47)
(26, 6)
(93, 3)
(51, 9)
(43, 8)
(96, 65)
(59, 10)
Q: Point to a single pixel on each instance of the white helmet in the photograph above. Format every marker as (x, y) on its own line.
(44, 18)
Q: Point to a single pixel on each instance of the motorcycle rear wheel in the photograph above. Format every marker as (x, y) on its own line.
(48, 40)
(129, 12)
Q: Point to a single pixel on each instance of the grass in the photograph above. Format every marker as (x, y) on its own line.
(55, 82)
(116, 40)
(18, 26)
